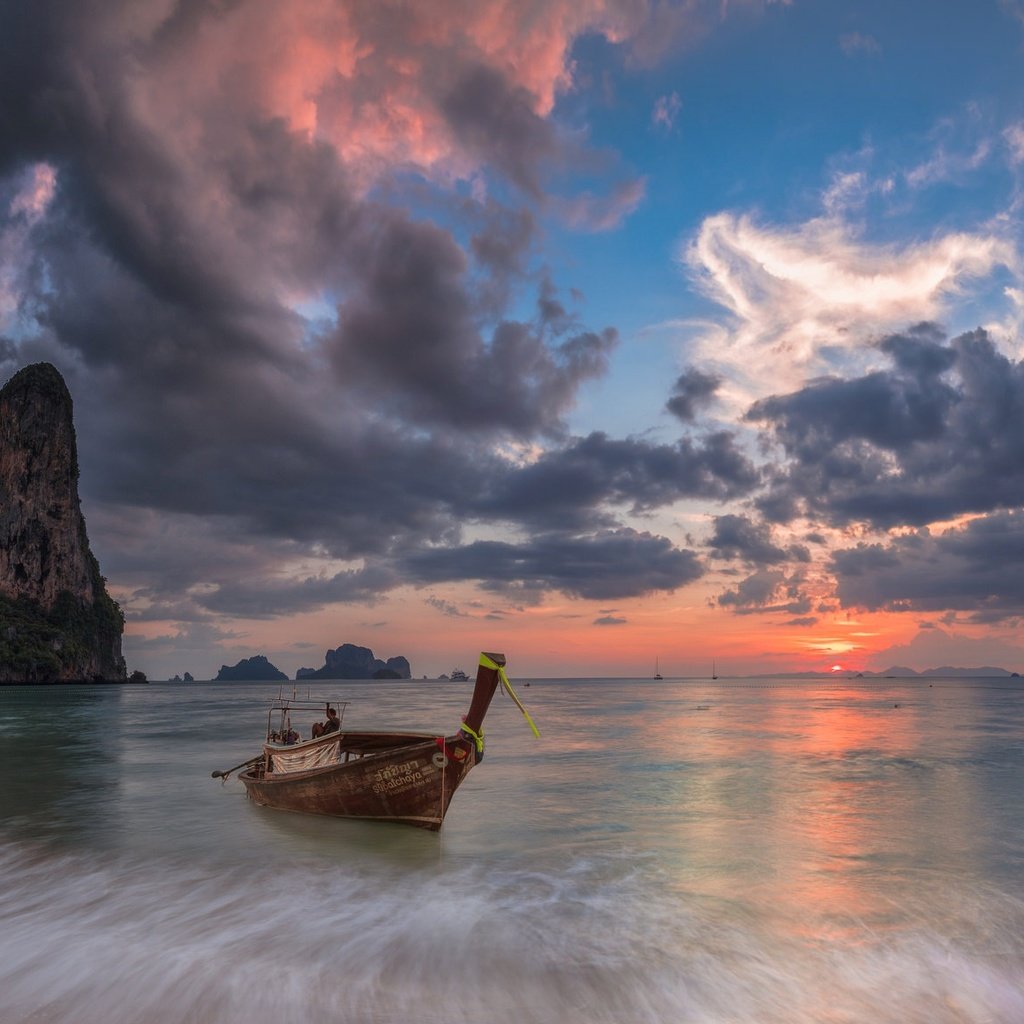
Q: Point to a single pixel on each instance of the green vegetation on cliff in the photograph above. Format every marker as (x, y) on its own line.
(37, 646)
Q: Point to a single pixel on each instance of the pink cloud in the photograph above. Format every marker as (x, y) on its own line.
(370, 78)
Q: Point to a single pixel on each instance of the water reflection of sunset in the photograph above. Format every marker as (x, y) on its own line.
(829, 834)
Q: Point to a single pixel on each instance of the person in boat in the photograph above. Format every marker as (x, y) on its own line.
(287, 737)
(333, 724)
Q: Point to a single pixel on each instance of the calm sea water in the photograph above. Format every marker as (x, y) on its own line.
(829, 852)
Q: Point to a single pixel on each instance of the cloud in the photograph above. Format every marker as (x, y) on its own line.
(611, 564)
(854, 43)
(199, 648)
(768, 591)
(182, 184)
(446, 607)
(409, 335)
(939, 434)
(666, 110)
(935, 647)
(381, 83)
(692, 391)
(946, 166)
(498, 123)
(610, 620)
(1013, 136)
(27, 198)
(587, 211)
(286, 256)
(738, 537)
(268, 597)
(1014, 8)
(805, 300)
(572, 487)
(977, 568)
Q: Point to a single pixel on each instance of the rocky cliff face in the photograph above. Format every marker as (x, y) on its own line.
(57, 622)
(255, 669)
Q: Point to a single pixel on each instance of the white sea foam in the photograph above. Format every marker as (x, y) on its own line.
(599, 942)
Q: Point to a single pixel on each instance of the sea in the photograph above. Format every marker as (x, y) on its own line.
(738, 851)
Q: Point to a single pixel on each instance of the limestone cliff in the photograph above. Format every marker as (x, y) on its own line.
(57, 622)
(350, 661)
(254, 669)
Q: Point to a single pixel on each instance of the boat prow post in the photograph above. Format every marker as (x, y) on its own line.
(488, 675)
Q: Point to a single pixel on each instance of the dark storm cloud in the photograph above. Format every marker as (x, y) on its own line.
(410, 333)
(499, 248)
(8, 358)
(612, 564)
(939, 434)
(262, 597)
(572, 486)
(888, 410)
(977, 568)
(741, 538)
(768, 590)
(191, 228)
(187, 222)
(496, 121)
(692, 392)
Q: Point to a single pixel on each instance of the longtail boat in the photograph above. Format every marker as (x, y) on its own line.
(404, 777)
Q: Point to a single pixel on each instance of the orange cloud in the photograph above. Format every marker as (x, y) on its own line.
(369, 78)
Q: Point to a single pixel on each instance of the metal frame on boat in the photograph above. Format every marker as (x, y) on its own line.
(403, 777)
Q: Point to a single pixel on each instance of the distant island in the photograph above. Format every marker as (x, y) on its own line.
(254, 669)
(350, 661)
(902, 672)
(946, 672)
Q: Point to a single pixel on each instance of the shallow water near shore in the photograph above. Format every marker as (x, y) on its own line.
(820, 851)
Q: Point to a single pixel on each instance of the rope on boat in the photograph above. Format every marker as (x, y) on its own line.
(223, 776)
(478, 737)
(507, 687)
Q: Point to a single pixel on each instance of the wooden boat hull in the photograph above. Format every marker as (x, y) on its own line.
(404, 778)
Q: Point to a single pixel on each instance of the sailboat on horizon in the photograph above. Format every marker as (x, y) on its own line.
(657, 673)
(714, 674)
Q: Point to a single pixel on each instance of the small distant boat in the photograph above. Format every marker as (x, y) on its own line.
(404, 777)
(458, 676)
(714, 674)
(657, 673)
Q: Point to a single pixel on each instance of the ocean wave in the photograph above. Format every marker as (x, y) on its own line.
(602, 940)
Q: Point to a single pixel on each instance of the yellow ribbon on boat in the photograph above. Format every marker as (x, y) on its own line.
(507, 687)
(478, 737)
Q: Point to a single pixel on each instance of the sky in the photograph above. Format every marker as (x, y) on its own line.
(614, 336)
